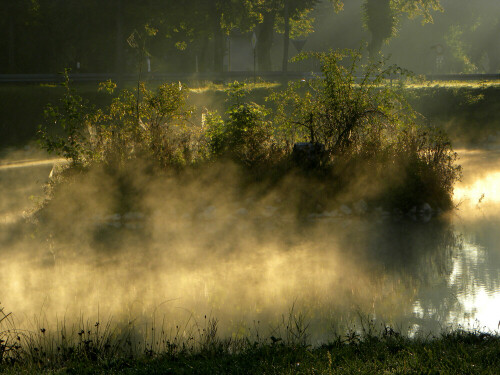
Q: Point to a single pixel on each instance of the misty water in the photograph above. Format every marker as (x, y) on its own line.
(199, 253)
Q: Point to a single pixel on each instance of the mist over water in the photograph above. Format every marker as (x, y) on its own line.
(190, 248)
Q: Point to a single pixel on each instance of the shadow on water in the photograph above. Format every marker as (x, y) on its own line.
(245, 260)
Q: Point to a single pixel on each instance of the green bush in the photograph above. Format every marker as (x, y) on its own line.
(345, 113)
(427, 165)
(64, 131)
(247, 136)
(368, 128)
(149, 125)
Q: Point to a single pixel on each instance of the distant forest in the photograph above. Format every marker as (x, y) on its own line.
(46, 36)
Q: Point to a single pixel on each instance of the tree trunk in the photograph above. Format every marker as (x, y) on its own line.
(219, 47)
(12, 46)
(204, 57)
(286, 39)
(218, 35)
(375, 46)
(380, 22)
(119, 39)
(265, 41)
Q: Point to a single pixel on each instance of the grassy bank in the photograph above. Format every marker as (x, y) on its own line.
(457, 352)
(468, 112)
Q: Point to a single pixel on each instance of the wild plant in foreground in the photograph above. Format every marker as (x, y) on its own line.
(9, 339)
(372, 347)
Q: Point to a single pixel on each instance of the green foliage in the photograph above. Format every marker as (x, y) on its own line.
(416, 8)
(342, 112)
(64, 130)
(149, 125)
(365, 123)
(247, 135)
(360, 118)
(428, 165)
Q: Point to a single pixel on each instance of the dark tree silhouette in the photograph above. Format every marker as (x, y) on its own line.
(381, 18)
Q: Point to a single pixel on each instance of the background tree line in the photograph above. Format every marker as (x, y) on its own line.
(48, 35)
(45, 36)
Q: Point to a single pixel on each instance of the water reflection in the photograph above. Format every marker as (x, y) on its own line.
(476, 276)
(413, 275)
(480, 188)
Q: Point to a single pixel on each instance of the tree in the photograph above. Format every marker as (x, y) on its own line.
(293, 15)
(202, 25)
(15, 26)
(272, 15)
(49, 35)
(381, 21)
(10, 25)
(381, 17)
(197, 22)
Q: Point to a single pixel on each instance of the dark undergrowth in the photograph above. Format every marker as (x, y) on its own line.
(368, 352)
(22, 109)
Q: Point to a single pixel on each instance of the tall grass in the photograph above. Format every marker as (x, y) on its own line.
(95, 347)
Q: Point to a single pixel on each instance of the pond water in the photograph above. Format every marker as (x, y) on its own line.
(253, 269)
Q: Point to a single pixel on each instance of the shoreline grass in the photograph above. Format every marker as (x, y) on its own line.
(452, 352)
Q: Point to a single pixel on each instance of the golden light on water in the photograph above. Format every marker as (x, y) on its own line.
(260, 286)
(483, 190)
(481, 183)
(478, 199)
(226, 264)
(488, 314)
